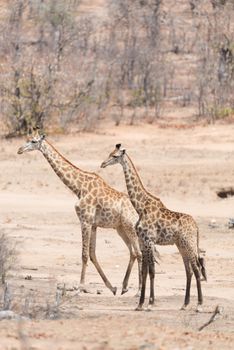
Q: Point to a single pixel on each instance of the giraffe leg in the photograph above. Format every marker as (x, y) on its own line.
(189, 274)
(86, 233)
(134, 251)
(144, 278)
(139, 261)
(188, 250)
(93, 258)
(128, 271)
(152, 276)
(196, 270)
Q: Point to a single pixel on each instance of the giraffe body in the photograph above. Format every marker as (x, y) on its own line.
(159, 225)
(98, 205)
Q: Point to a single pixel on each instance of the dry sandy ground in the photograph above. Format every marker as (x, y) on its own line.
(185, 167)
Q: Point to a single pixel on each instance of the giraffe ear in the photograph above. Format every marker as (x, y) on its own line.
(118, 146)
(123, 151)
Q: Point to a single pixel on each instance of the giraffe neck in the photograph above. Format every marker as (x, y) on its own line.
(70, 175)
(136, 191)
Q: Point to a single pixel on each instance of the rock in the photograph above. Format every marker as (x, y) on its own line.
(213, 223)
(231, 223)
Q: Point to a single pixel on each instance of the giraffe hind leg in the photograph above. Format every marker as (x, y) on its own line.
(122, 231)
(196, 270)
(144, 278)
(152, 276)
(138, 254)
(93, 258)
(188, 251)
(189, 274)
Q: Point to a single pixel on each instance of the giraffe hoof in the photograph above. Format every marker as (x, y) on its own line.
(124, 290)
(184, 307)
(139, 308)
(199, 308)
(114, 290)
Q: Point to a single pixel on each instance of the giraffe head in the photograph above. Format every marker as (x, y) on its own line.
(115, 156)
(33, 143)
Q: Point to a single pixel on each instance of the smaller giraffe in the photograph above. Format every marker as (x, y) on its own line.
(98, 205)
(159, 225)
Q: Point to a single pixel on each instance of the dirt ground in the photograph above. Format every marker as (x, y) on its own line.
(185, 168)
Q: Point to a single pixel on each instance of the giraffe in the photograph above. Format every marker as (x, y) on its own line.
(98, 205)
(159, 225)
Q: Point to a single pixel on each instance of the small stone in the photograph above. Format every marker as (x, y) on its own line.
(28, 277)
(213, 223)
(231, 223)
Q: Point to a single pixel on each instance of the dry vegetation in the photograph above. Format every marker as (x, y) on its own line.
(68, 63)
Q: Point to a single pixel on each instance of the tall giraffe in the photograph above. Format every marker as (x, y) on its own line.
(159, 225)
(98, 205)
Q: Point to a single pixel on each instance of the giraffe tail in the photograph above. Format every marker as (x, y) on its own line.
(203, 268)
(201, 260)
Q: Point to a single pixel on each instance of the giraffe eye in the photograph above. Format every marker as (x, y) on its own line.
(33, 141)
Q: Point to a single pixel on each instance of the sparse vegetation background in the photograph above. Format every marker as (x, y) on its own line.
(65, 65)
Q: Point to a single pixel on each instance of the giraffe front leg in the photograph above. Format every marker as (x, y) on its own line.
(86, 234)
(144, 278)
(128, 271)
